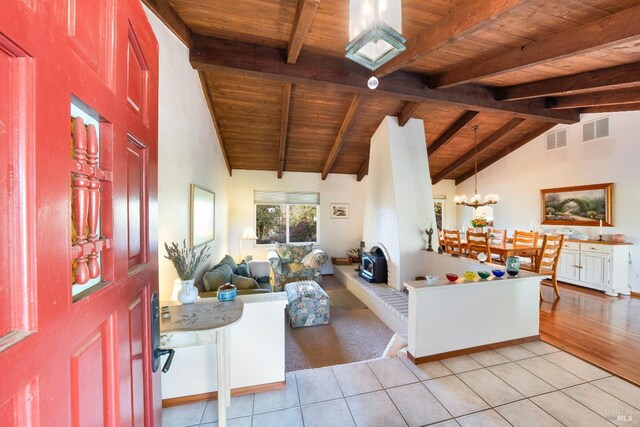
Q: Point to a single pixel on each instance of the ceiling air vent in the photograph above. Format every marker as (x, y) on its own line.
(595, 129)
(556, 140)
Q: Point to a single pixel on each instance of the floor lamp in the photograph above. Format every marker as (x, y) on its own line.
(248, 234)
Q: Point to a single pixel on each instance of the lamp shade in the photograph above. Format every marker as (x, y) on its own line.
(375, 28)
(249, 234)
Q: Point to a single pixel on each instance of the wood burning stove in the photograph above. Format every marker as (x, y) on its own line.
(373, 266)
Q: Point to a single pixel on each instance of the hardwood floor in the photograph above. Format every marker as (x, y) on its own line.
(599, 329)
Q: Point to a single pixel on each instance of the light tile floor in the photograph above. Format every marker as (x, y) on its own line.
(534, 384)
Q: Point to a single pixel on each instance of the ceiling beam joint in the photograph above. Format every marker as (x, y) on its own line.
(305, 14)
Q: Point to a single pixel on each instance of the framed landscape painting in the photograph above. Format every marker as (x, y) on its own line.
(339, 210)
(582, 205)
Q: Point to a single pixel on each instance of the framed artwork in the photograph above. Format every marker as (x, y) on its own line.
(339, 210)
(439, 210)
(583, 205)
(203, 221)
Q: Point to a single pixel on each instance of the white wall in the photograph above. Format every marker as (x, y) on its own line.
(188, 152)
(335, 236)
(446, 188)
(519, 177)
(399, 204)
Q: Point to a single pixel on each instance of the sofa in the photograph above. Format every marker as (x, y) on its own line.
(240, 275)
(293, 263)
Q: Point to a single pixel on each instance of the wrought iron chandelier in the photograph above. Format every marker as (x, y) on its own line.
(475, 201)
(375, 28)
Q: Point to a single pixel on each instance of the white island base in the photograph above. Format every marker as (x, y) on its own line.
(449, 319)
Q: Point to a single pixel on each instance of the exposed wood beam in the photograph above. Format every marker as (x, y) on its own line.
(363, 171)
(212, 111)
(452, 131)
(610, 97)
(505, 151)
(486, 143)
(407, 112)
(619, 77)
(211, 54)
(284, 126)
(611, 108)
(453, 27)
(168, 15)
(304, 18)
(622, 27)
(337, 144)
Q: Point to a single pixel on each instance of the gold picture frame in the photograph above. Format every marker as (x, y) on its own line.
(582, 205)
(202, 224)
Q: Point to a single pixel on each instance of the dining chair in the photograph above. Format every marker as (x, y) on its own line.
(524, 240)
(548, 260)
(497, 236)
(452, 242)
(478, 243)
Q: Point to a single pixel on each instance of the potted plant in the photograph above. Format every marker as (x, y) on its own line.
(186, 262)
(478, 223)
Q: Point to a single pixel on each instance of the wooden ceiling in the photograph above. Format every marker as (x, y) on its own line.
(284, 98)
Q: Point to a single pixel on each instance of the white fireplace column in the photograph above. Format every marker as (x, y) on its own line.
(399, 202)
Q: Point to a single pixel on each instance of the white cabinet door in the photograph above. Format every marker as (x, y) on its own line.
(568, 266)
(595, 269)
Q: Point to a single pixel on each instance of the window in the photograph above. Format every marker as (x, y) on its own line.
(286, 217)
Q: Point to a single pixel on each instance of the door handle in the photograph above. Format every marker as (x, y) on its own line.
(156, 351)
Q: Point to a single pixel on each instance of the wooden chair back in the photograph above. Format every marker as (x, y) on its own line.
(478, 243)
(548, 258)
(525, 239)
(499, 235)
(549, 254)
(452, 242)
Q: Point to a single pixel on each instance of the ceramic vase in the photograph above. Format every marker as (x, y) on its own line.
(189, 293)
(513, 264)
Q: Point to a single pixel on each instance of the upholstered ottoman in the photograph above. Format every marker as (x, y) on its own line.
(308, 304)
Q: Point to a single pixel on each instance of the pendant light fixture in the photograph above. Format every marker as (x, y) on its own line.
(375, 28)
(475, 202)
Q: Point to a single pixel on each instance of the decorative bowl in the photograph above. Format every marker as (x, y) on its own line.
(432, 280)
(482, 257)
(227, 292)
(497, 272)
(513, 273)
(484, 274)
(469, 275)
(452, 277)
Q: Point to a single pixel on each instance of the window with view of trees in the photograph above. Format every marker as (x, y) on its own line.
(293, 222)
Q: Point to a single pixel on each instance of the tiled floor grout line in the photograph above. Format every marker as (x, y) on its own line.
(605, 391)
(580, 403)
(344, 396)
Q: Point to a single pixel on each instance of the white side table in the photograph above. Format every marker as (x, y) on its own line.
(207, 321)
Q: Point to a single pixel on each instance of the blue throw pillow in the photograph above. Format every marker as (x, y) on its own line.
(243, 270)
(217, 277)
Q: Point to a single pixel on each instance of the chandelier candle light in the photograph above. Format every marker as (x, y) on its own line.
(475, 202)
(375, 28)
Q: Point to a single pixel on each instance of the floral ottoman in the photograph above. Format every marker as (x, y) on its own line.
(308, 304)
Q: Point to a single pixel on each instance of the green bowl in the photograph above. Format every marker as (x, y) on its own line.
(484, 274)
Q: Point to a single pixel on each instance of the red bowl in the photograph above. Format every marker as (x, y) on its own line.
(452, 277)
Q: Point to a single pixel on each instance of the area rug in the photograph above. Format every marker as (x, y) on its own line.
(354, 334)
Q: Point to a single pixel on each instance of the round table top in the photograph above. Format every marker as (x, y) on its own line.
(205, 314)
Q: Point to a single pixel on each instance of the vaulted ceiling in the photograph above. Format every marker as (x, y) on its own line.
(284, 98)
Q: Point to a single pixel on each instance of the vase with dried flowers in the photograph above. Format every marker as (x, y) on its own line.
(186, 262)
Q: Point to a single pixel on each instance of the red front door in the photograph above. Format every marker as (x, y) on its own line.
(78, 240)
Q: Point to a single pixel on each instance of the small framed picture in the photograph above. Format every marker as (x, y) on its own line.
(339, 210)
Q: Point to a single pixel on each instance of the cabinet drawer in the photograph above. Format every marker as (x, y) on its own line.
(571, 245)
(594, 247)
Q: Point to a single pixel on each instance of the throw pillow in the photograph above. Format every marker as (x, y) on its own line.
(243, 270)
(228, 260)
(217, 277)
(241, 282)
(292, 253)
